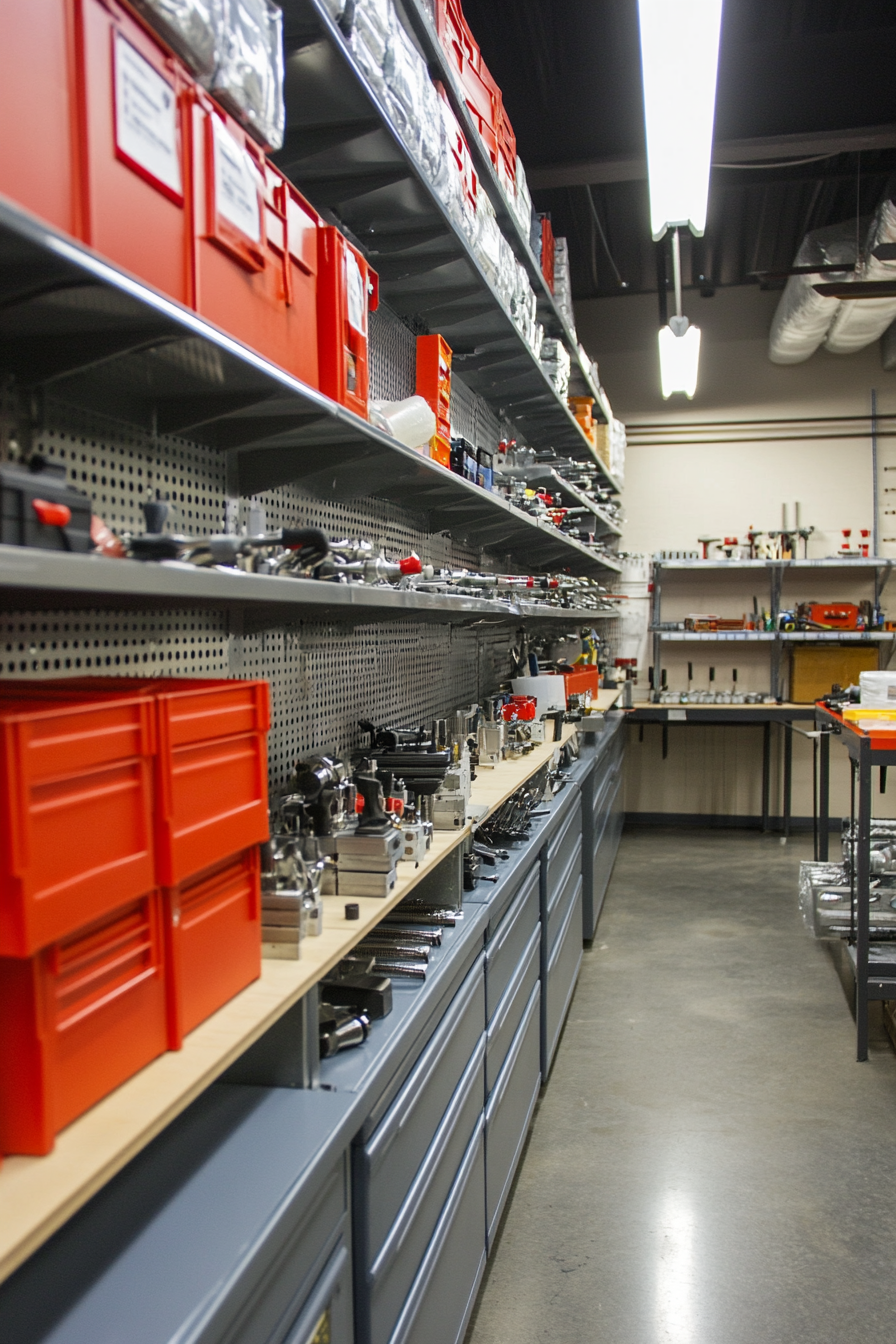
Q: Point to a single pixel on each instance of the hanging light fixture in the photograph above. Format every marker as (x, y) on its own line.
(679, 65)
(679, 341)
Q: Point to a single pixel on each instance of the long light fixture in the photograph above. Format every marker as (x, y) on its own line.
(679, 341)
(679, 63)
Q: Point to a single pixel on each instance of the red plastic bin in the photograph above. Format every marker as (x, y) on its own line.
(212, 940)
(347, 291)
(39, 140)
(211, 773)
(77, 1020)
(254, 244)
(76, 805)
(131, 119)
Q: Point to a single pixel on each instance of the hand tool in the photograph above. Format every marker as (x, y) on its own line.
(368, 994)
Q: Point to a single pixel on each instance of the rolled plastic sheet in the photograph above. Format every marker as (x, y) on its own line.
(411, 421)
(192, 28)
(803, 317)
(249, 77)
(858, 322)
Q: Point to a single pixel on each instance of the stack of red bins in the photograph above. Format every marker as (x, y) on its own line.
(481, 92)
(130, 820)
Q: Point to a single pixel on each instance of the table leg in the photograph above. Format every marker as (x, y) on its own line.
(788, 776)
(824, 797)
(862, 840)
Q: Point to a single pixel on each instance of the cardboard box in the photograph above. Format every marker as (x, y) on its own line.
(815, 669)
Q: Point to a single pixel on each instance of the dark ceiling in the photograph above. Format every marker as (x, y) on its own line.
(798, 80)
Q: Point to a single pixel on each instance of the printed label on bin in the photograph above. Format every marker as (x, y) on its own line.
(237, 184)
(356, 295)
(146, 118)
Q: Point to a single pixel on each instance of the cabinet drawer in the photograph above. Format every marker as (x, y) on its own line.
(509, 1111)
(559, 901)
(506, 1018)
(503, 953)
(388, 1162)
(563, 969)
(441, 1300)
(327, 1314)
(564, 842)
(399, 1260)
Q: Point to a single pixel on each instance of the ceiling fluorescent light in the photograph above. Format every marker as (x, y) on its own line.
(679, 358)
(679, 65)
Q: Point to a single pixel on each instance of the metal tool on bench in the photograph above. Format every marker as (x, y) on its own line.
(421, 757)
(364, 992)
(340, 1028)
(291, 905)
(356, 561)
(367, 857)
(321, 802)
(288, 549)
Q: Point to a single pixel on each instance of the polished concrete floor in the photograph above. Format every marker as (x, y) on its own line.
(708, 1165)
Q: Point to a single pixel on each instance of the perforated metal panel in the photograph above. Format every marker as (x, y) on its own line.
(324, 677)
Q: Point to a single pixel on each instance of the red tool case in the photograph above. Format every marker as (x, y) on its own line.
(77, 1019)
(434, 382)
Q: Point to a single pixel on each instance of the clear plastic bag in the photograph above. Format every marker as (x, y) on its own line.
(193, 28)
(372, 27)
(406, 78)
(249, 77)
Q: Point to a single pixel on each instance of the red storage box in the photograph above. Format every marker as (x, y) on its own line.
(347, 290)
(76, 825)
(547, 253)
(254, 246)
(582, 681)
(77, 1020)
(131, 114)
(39, 140)
(212, 773)
(434, 380)
(212, 940)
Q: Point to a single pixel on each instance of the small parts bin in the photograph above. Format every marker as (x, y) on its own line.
(38, 144)
(347, 290)
(482, 94)
(77, 1020)
(212, 940)
(255, 244)
(212, 773)
(131, 93)
(434, 385)
(547, 251)
(76, 832)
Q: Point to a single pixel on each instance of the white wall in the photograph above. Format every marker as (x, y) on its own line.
(677, 491)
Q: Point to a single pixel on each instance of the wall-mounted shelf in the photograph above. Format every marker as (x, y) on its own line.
(344, 152)
(734, 566)
(38, 1194)
(549, 314)
(766, 636)
(73, 324)
(31, 578)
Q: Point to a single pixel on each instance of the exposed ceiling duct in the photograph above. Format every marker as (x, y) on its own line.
(804, 318)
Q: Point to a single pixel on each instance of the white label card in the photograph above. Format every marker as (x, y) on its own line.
(891, 692)
(146, 117)
(676, 715)
(356, 294)
(237, 184)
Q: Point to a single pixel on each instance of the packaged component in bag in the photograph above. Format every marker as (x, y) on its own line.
(192, 28)
(406, 75)
(878, 690)
(249, 76)
(372, 26)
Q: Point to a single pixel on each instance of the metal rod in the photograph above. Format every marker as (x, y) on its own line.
(824, 796)
(875, 506)
(863, 883)
(766, 770)
(788, 777)
(815, 798)
(676, 271)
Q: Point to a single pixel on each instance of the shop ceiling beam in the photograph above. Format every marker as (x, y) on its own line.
(771, 148)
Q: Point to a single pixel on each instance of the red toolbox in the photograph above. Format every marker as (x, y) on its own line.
(255, 256)
(547, 252)
(131, 94)
(39, 140)
(76, 802)
(583, 681)
(212, 773)
(212, 940)
(347, 291)
(78, 1019)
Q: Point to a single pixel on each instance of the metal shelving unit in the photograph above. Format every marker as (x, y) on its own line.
(777, 572)
(72, 323)
(343, 150)
(551, 477)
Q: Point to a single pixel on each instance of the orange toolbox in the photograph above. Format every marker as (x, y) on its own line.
(212, 940)
(347, 292)
(254, 244)
(77, 1020)
(547, 254)
(131, 94)
(39, 143)
(76, 811)
(582, 681)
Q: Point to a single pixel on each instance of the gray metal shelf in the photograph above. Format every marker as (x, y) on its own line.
(766, 636)
(555, 324)
(830, 562)
(102, 340)
(344, 152)
(31, 577)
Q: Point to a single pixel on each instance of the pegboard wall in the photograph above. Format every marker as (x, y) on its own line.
(324, 677)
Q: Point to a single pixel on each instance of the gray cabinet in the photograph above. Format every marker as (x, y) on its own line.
(509, 1111)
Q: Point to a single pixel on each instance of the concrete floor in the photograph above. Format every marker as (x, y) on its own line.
(708, 1165)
